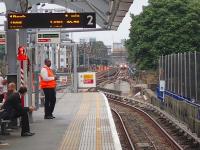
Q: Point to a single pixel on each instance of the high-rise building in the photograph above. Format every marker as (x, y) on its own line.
(91, 40)
(119, 53)
(83, 40)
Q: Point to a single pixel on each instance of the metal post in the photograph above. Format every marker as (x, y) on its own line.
(179, 77)
(171, 70)
(162, 71)
(185, 66)
(84, 56)
(175, 69)
(159, 68)
(165, 69)
(168, 83)
(190, 84)
(88, 64)
(75, 68)
(36, 75)
(195, 61)
(30, 79)
(12, 36)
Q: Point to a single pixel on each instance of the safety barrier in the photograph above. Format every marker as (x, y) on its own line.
(184, 109)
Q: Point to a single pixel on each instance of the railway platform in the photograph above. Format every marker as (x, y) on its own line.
(83, 122)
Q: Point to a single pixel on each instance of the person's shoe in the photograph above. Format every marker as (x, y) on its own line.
(53, 116)
(48, 117)
(5, 133)
(27, 134)
(3, 144)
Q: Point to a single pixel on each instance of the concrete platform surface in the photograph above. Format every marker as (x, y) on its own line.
(83, 121)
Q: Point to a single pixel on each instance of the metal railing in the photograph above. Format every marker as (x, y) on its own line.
(181, 73)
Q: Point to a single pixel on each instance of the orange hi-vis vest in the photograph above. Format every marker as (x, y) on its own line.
(48, 84)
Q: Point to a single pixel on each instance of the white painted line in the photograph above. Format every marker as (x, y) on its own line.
(115, 136)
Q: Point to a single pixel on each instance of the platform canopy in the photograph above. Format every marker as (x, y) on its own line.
(109, 13)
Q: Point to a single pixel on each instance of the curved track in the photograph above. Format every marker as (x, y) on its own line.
(120, 123)
(159, 140)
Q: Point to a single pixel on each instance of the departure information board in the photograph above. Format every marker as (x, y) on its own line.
(51, 20)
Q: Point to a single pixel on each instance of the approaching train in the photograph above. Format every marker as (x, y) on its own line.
(123, 66)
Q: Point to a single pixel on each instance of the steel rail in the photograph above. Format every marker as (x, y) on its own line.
(124, 128)
(170, 139)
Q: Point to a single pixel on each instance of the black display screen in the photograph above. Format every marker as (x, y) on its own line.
(51, 20)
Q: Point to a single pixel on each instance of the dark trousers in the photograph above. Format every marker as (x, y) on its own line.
(1, 97)
(24, 120)
(50, 100)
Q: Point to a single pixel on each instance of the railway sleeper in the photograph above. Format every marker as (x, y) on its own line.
(181, 132)
(155, 111)
(164, 121)
(195, 144)
(162, 118)
(170, 122)
(188, 139)
(167, 123)
(175, 130)
(187, 142)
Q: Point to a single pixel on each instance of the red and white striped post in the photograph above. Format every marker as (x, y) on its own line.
(22, 72)
(22, 79)
(21, 57)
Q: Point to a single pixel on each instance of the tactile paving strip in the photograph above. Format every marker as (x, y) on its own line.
(90, 128)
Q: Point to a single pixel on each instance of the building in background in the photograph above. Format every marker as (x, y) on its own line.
(119, 53)
(87, 40)
(92, 40)
(109, 49)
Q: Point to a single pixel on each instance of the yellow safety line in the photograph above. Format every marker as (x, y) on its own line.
(72, 135)
(98, 125)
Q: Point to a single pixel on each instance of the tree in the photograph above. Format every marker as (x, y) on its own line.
(164, 27)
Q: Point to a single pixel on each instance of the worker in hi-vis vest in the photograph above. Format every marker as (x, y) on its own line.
(48, 85)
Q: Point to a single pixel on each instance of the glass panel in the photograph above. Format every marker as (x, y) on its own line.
(198, 77)
(181, 75)
(172, 73)
(167, 72)
(164, 67)
(176, 73)
(192, 75)
(187, 75)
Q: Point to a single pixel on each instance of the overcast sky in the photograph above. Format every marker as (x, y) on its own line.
(108, 37)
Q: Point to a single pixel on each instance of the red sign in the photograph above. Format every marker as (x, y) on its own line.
(2, 41)
(89, 81)
(44, 40)
(21, 54)
(22, 57)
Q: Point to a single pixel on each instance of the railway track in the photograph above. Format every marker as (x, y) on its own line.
(144, 131)
(122, 131)
(176, 137)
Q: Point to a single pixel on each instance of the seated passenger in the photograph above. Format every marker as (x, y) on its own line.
(13, 109)
(11, 90)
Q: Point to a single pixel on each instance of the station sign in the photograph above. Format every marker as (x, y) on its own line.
(2, 38)
(51, 20)
(162, 85)
(48, 37)
(86, 79)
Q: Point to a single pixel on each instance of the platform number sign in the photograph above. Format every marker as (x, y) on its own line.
(90, 19)
(51, 20)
